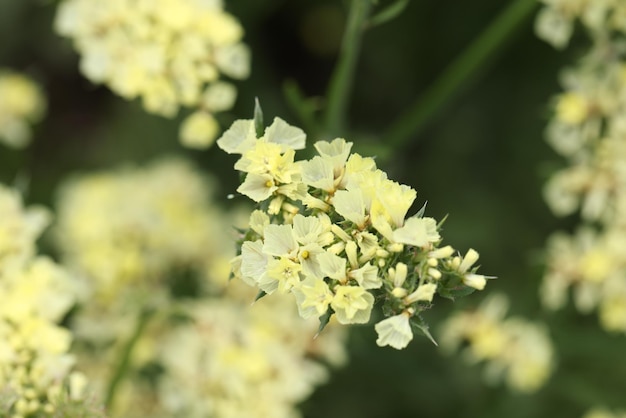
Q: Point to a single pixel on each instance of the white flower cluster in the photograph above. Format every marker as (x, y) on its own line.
(21, 104)
(514, 349)
(231, 353)
(604, 413)
(127, 231)
(589, 130)
(35, 364)
(135, 236)
(333, 232)
(557, 19)
(170, 53)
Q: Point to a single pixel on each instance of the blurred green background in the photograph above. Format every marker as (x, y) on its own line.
(481, 159)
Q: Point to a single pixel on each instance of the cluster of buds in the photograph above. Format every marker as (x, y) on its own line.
(333, 232)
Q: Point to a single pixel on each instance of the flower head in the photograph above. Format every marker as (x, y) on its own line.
(168, 53)
(333, 231)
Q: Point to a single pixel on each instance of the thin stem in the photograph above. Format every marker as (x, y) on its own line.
(304, 108)
(125, 357)
(410, 123)
(340, 86)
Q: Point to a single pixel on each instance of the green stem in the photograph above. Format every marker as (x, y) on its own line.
(340, 85)
(410, 123)
(302, 107)
(125, 357)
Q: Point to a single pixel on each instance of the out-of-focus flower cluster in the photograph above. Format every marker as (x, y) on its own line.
(169, 53)
(604, 413)
(514, 349)
(21, 104)
(152, 240)
(589, 130)
(128, 231)
(557, 19)
(36, 377)
(332, 231)
(231, 353)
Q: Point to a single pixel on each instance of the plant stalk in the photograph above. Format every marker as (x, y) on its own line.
(340, 86)
(410, 123)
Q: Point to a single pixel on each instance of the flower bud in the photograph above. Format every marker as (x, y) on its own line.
(336, 229)
(468, 261)
(477, 281)
(425, 292)
(399, 292)
(400, 276)
(443, 252)
(351, 254)
(434, 273)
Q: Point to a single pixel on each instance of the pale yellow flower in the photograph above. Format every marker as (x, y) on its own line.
(318, 173)
(572, 108)
(417, 231)
(425, 292)
(199, 130)
(352, 304)
(169, 53)
(394, 331)
(350, 205)
(22, 103)
(258, 187)
(366, 276)
(313, 297)
(281, 272)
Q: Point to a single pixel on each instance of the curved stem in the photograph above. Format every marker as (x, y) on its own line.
(340, 85)
(410, 123)
(125, 357)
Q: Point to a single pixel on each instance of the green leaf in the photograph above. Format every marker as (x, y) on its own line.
(419, 323)
(260, 295)
(324, 319)
(455, 292)
(258, 118)
(388, 13)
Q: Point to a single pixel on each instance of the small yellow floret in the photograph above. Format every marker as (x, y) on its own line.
(572, 108)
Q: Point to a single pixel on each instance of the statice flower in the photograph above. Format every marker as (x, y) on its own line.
(557, 19)
(37, 376)
(513, 349)
(22, 103)
(333, 231)
(153, 250)
(604, 413)
(588, 130)
(126, 230)
(230, 353)
(169, 53)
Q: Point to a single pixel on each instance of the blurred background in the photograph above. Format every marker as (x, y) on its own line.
(481, 159)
